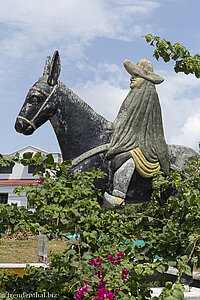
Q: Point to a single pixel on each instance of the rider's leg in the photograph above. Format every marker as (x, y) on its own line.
(121, 183)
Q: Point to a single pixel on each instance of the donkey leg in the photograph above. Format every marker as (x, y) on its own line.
(121, 181)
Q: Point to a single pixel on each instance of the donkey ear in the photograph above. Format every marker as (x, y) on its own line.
(47, 66)
(55, 68)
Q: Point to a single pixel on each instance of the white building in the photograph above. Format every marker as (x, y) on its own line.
(19, 175)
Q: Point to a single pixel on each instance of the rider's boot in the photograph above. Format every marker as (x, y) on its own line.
(121, 181)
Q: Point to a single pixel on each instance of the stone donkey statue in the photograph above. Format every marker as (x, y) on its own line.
(85, 137)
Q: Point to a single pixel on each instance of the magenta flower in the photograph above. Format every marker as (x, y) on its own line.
(118, 290)
(118, 258)
(120, 254)
(101, 284)
(124, 273)
(110, 258)
(40, 181)
(102, 294)
(96, 262)
(82, 291)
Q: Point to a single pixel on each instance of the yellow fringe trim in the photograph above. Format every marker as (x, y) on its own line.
(143, 166)
(118, 201)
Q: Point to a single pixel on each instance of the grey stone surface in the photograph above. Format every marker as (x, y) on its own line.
(180, 156)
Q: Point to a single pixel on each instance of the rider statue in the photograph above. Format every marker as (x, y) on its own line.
(138, 141)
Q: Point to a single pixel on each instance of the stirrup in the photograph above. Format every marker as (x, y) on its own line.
(119, 203)
(112, 202)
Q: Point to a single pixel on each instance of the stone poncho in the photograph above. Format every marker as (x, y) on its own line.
(139, 125)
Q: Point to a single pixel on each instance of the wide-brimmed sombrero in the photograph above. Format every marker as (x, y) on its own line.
(144, 69)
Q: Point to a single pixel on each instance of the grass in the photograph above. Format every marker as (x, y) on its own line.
(26, 251)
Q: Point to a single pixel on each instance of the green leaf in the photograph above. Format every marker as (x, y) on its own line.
(64, 221)
(161, 268)
(27, 155)
(35, 171)
(138, 269)
(49, 159)
(148, 38)
(87, 255)
(12, 220)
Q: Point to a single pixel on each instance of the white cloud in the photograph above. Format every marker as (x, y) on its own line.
(70, 24)
(189, 134)
(180, 97)
(116, 75)
(106, 92)
(103, 97)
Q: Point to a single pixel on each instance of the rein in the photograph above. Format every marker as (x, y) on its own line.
(31, 122)
(89, 153)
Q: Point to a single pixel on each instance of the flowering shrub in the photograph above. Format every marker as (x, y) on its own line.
(100, 286)
(99, 261)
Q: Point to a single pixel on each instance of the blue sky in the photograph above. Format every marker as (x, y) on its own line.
(93, 38)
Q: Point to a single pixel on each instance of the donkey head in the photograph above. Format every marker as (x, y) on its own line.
(41, 101)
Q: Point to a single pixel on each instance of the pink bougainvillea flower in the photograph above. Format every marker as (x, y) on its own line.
(40, 181)
(118, 258)
(81, 291)
(96, 262)
(124, 273)
(110, 258)
(101, 284)
(118, 290)
(102, 294)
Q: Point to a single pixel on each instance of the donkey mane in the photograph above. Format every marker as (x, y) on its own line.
(76, 99)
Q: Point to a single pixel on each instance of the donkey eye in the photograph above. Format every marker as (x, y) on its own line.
(35, 98)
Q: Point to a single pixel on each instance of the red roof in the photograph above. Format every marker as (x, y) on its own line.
(17, 182)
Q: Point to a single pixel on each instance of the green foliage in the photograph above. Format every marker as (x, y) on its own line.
(174, 229)
(66, 206)
(182, 208)
(7, 160)
(99, 257)
(171, 293)
(184, 61)
(14, 218)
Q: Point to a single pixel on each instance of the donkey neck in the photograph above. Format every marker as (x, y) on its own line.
(77, 126)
